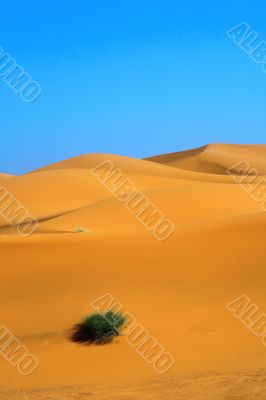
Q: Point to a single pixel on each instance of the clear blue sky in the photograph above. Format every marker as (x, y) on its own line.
(131, 77)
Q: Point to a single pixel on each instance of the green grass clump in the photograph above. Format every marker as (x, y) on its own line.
(99, 328)
(81, 229)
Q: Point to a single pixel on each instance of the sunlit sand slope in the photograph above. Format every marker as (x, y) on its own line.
(178, 288)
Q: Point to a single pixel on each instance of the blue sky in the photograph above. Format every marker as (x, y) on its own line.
(131, 77)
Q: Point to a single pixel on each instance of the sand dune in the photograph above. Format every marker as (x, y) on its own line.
(215, 158)
(4, 178)
(178, 289)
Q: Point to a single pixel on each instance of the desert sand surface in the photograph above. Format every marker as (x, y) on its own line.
(178, 288)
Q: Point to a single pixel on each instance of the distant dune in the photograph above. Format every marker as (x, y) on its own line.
(178, 288)
(215, 158)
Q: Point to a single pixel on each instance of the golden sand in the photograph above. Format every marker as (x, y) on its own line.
(178, 289)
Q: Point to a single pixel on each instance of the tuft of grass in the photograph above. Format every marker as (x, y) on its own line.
(81, 229)
(99, 328)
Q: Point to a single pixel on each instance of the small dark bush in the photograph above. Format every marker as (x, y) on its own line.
(99, 328)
